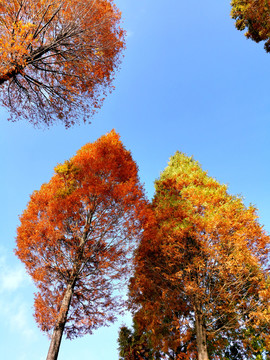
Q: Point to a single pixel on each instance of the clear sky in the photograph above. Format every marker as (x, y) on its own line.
(189, 82)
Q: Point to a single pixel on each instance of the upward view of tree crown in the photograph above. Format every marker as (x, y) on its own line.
(201, 285)
(58, 57)
(76, 237)
(254, 17)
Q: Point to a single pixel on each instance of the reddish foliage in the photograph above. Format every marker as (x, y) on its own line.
(57, 57)
(78, 231)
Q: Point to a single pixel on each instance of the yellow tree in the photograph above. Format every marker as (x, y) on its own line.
(254, 17)
(58, 57)
(76, 237)
(201, 284)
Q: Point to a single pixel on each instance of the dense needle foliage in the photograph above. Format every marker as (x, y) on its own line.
(201, 284)
(76, 237)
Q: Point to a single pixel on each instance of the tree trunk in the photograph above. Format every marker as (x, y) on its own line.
(200, 335)
(62, 317)
(61, 322)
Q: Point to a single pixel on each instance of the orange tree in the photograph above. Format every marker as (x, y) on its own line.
(58, 57)
(253, 15)
(76, 236)
(201, 285)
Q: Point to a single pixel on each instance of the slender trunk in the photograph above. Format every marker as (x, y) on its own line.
(62, 317)
(61, 322)
(200, 335)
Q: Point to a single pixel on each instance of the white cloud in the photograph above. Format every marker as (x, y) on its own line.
(11, 278)
(15, 311)
(16, 316)
(129, 33)
(19, 322)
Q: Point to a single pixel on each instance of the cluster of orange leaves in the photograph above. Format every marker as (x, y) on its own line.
(58, 57)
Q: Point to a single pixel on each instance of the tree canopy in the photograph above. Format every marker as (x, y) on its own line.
(58, 57)
(253, 16)
(201, 284)
(76, 237)
(135, 345)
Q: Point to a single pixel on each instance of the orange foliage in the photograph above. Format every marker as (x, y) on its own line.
(57, 57)
(201, 266)
(253, 16)
(78, 231)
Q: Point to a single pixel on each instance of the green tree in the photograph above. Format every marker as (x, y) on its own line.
(202, 264)
(135, 344)
(140, 343)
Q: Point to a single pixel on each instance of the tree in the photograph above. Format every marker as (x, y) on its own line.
(140, 343)
(76, 237)
(58, 57)
(253, 15)
(136, 345)
(201, 283)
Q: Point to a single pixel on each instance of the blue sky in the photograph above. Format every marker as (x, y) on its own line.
(189, 81)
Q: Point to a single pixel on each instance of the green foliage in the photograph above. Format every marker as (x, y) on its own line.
(203, 255)
(135, 344)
